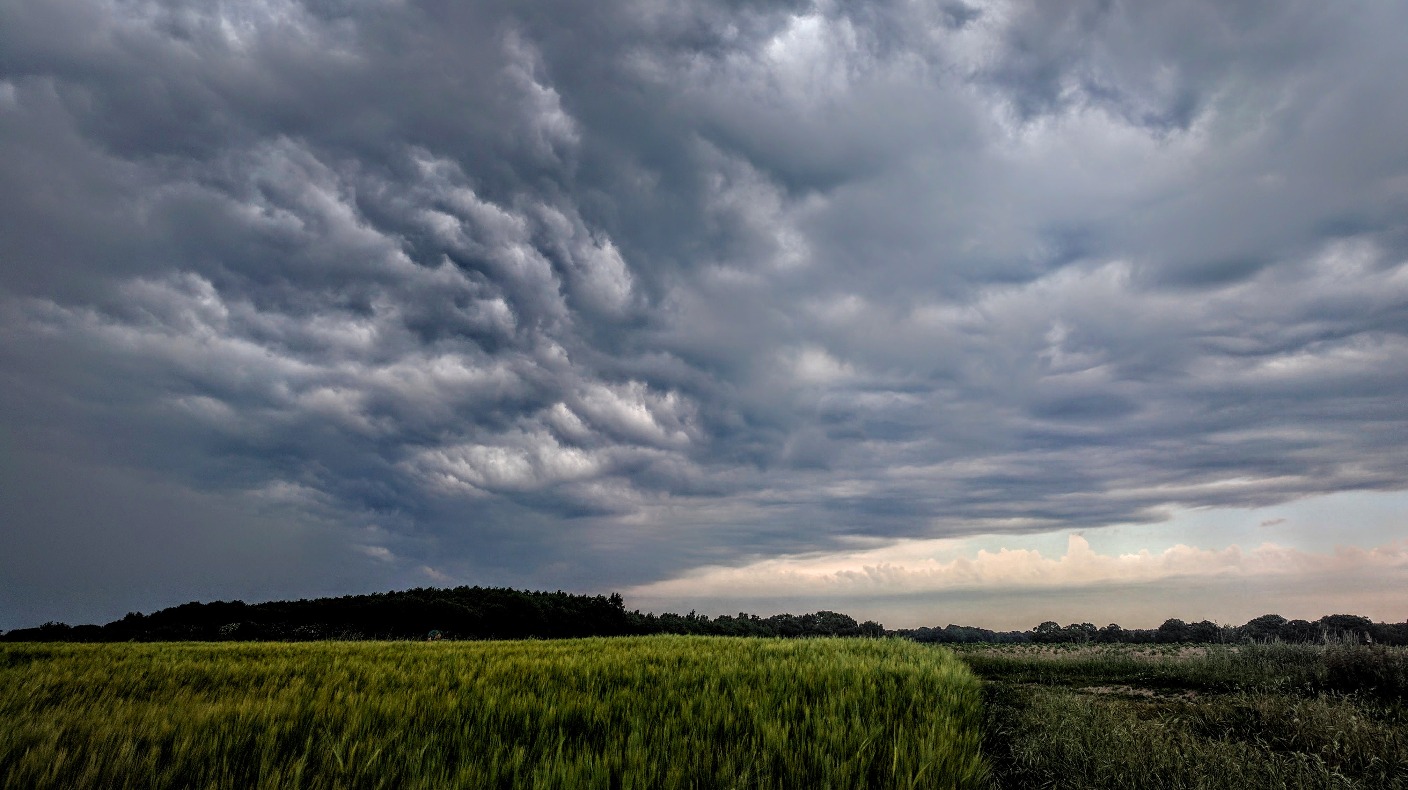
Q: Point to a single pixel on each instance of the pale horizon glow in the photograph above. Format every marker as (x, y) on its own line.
(1260, 557)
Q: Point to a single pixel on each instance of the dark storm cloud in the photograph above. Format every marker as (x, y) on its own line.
(552, 294)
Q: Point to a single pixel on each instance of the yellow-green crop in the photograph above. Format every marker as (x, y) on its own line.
(620, 713)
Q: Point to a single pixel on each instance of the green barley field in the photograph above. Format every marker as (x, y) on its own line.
(650, 712)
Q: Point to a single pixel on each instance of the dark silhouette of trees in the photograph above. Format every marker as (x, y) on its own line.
(1084, 632)
(1205, 632)
(1264, 628)
(458, 613)
(1174, 630)
(1110, 634)
(502, 613)
(1048, 632)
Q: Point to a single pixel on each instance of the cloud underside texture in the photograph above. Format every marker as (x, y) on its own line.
(324, 296)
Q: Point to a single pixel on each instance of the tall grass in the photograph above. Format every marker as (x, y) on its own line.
(1345, 667)
(612, 713)
(1062, 738)
(1249, 716)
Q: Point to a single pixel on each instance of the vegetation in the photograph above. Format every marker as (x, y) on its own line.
(1182, 716)
(638, 712)
(1272, 703)
(503, 613)
(1268, 627)
(455, 613)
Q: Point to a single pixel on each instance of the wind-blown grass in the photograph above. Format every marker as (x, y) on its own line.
(627, 712)
(1246, 716)
(1368, 671)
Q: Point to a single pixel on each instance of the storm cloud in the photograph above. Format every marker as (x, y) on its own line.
(334, 295)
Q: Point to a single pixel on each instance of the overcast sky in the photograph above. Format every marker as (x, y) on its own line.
(925, 311)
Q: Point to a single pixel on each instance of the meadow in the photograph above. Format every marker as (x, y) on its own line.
(707, 712)
(1183, 716)
(647, 712)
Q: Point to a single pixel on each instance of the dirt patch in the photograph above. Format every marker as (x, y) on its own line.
(1070, 652)
(1140, 692)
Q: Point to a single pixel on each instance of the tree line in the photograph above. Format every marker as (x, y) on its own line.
(1266, 628)
(504, 613)
(434, 613)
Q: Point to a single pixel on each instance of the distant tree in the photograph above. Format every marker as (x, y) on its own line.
(1346, 626)
(827, 623)
(1083, 633)
(968, 634)
(1300, 631)
(1110, 634)
(1048, 632)
(1391, 633)
(1204, 632)
(1174, 630)
(1264, 628)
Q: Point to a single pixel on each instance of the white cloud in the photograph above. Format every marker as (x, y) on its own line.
(524, 462)
(376, 552)
(636, 413)
(552, 131)
(940, 566)
(600, 275)
(814, 366)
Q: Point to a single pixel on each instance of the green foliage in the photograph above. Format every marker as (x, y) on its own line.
(627, 712)
(1066, 738)
(1343, 667)
(1266, 628)
(455, 613)
(1179, 716)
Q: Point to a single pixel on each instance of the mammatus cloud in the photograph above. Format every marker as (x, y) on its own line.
(567, 296)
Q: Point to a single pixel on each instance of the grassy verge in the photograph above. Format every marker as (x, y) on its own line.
(1273, 716)
(638, 712)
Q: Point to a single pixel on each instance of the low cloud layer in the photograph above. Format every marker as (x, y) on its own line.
(932, 582)
(589, 297)
(909, 567)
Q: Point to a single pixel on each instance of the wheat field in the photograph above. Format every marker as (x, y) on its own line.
(647, 712)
